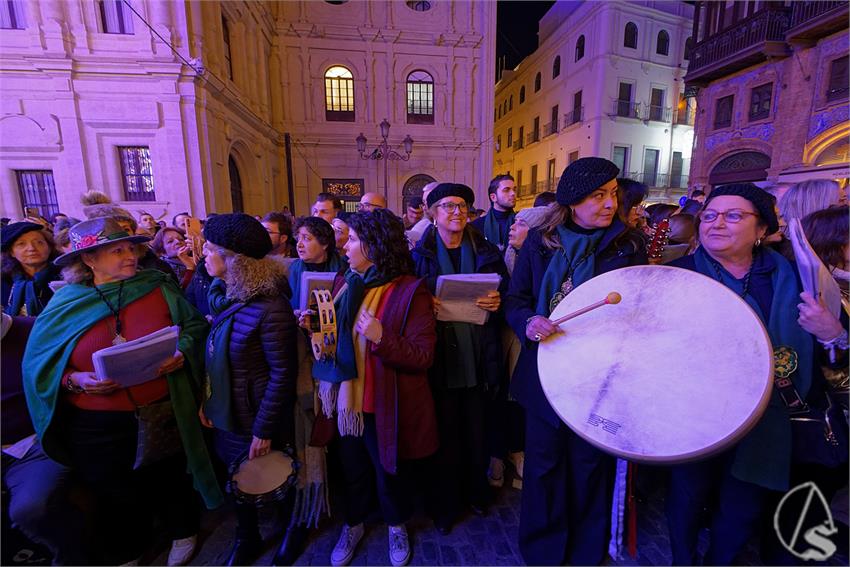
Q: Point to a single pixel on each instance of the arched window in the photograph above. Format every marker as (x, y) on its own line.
(235, 186)
(420, 98)
(511, 102)
(537, 82)
(580, 47)
(556, 67)
(505, 107)
(630, 36)
(689, 44)
(662, 46)
(339, 94)
(522, 94)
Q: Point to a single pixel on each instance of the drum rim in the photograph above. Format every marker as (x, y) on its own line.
(270, 497)
(710, 450)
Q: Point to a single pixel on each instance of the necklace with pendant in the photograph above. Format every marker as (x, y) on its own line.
(119, 338)
(567, 286)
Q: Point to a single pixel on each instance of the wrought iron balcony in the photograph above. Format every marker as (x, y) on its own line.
(813, 20)
(626, 108)
(679, 181)
(532, 137)
(658, 113)
(550, 128)
(574, 116)
(753, 40)
(685, 116)
(518, 145)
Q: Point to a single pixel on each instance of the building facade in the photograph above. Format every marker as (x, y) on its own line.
(773, 103)
(606, 80)
(221, 106)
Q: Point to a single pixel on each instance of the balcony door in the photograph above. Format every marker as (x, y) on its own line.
(650, 167)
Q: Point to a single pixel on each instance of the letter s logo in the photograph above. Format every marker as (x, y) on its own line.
(822, 547)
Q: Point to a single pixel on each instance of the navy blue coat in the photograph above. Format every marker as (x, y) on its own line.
(619, 248)
(488, 260)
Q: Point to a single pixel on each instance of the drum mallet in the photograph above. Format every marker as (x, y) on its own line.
(611, 299)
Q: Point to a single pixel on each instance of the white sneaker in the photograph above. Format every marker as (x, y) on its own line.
(399, 546)
(346, 545)
(518, 459)
(182, 550)
(496, 472)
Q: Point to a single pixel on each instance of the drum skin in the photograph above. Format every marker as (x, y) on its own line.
(679, 370)
(263, 480)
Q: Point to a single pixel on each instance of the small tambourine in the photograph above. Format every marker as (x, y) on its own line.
(323, 337)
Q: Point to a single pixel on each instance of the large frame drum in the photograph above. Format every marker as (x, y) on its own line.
(679, 370)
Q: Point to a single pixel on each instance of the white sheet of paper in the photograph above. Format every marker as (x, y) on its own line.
(136, 361)
(457, 294)
(311, 281)
(814, 274)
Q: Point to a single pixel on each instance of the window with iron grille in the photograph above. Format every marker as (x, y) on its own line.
(838, 79)
(137, 172)
(339, 95)
(630, 35)
(723, 112)
(580, 47)
(760, 101)
(37, 190)
(228, 57)
(12, 15)
(116, 17)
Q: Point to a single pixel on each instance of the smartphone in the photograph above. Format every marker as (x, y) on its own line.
(194, 231)
(32, 212)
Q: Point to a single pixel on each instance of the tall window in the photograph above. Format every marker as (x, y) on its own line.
(521, 138)
(420, 98)
(499, 143)
(556, 67)
(630, 36)
(12, 15)
(838, 79)
(339, 95)
(620, 156)
(511, 102)
(760, 101)
(116, 17)
(689, 45)
(137, 173)
(534, 178)
(576, 113)
(662, 46)
(580, 47)
(535, 129)
(236, 199)
(522, 94)
(228, 58)
(37, 190)
(510, 137)
(537, 81)
(723, 112)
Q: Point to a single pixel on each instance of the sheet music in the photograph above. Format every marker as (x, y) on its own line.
(814, 274)
(136, 361)
(457, 294)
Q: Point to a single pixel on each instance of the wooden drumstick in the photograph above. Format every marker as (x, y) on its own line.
(610, 299)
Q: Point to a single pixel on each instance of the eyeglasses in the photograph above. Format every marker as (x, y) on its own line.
(451, 208)
(732, 216)
(367, 207)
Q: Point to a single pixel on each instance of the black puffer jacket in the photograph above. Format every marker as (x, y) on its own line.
(263, 351)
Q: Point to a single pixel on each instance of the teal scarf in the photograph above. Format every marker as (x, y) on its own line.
(492, 230)
(576, 259)
(334, 264)
(217, 406)
(72, 311)
(763, 457)
(461, 365)
(344, 365)
(30, 291)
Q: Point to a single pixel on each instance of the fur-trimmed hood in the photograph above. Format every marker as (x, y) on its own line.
(247, 278)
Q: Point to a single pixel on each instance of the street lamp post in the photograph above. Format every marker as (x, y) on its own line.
(385, 152)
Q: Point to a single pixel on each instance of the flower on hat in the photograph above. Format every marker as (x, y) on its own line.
(85, 241)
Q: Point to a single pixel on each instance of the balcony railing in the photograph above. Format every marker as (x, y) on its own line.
(754, 39)
(658, 113)
(626, 108)
(660, 179)
(574, 116)
(518, 145)
(532, 137)
(685, 116)
(816, 19)
(550, 128)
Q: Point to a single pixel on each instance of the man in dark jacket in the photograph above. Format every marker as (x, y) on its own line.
(498, 220)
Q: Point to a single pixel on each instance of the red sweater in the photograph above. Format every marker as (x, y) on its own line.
(144, 316)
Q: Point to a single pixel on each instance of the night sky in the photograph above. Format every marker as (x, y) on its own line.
(516, 30)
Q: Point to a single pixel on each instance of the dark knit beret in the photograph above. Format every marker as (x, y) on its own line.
(11, 232)
(763, 201)
(238, 233)
(583, 177)
(444, 190)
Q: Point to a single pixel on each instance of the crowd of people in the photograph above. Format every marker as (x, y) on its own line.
(412, 408)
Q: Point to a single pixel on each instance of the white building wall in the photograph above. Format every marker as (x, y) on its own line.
(605, 64)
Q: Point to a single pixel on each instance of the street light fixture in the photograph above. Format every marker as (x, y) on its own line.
(384, 152)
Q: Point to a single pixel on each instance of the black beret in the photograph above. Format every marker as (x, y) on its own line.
(11, 232)
(583, 177)
(444, 190)
(763, 201)
(238, 233)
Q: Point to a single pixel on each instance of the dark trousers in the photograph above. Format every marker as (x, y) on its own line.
(39, 505)
(734, 516)
(103, 450)
(365, 478)
(460, 476)
(566, 497)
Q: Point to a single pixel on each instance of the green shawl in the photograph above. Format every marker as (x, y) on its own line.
(72, 311)
(576, 258)
(492, 230)
(218, 383)
(461, 354)
(763, 457)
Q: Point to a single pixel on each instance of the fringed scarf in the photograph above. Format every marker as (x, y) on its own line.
(31, 293)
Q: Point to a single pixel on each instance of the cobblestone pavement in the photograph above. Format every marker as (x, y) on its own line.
(490, 540)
